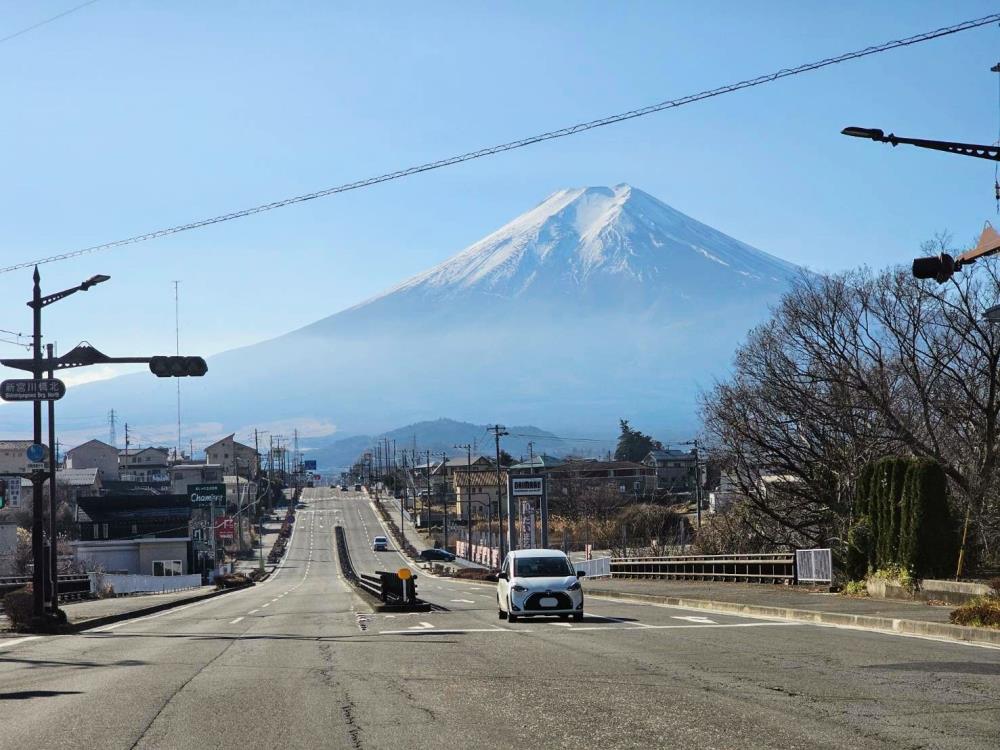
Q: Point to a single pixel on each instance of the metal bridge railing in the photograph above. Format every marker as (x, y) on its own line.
(757, 568)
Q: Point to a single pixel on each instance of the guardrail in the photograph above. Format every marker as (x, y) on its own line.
(387, 586)
(770, 567)
(596, 568)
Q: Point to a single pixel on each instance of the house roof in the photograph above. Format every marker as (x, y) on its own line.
(14, 444)
(95, 442)
(133, 508)
(71, 477)
(542, 460)
(77, 477)
(138, 451)
(232, 437)
(670, 453)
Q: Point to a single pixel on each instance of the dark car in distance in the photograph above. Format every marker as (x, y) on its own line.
(437, 554)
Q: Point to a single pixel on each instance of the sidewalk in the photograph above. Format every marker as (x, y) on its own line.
(96, 612)
(797, 603)
(271, 530)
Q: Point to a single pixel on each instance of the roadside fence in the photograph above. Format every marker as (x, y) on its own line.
(596, 568)
(756, 568)
(123, 584)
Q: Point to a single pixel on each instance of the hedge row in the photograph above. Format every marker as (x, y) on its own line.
(902, 518)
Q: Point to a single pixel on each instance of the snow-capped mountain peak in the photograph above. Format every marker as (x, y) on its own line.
(580, 239)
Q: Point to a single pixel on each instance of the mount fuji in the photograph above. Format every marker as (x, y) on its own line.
(596, 304)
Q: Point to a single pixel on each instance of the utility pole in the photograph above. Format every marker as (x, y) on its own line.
(53, 457)
(531, 453)
(498, 432)
(126, 446)
(177, 340)
(468, 499)
(427, 474)
(444, 495)
(112, 432)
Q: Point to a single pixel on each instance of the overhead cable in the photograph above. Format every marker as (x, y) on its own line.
(523, 142)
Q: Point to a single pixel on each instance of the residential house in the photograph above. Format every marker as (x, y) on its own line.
(233, 456)
(134, 534)
(476, 491)
(676, 470)
(540, 464)
(144, 464)
(95, 454)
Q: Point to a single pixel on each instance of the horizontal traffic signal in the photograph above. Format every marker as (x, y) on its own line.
(177, 367)
(937, 267)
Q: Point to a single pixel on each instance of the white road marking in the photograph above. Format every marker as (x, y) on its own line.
(449, 631)
(15, 641)
(233, 622)
(694, 618)
(463, 601)
(265, 605)
(252, 611)
(422, 626)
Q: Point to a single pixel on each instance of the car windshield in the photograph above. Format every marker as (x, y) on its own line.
(541, 567)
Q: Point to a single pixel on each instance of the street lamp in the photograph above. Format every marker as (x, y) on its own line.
(80, 356)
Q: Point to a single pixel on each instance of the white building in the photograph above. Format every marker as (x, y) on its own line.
(95, 454)
(144, 465)
(12, 456)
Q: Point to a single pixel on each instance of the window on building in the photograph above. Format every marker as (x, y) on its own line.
(104, 529)
(167, 568)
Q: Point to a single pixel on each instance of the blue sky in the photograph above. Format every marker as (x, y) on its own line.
(128, 116)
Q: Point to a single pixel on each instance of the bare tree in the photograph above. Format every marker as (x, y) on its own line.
(854, 366)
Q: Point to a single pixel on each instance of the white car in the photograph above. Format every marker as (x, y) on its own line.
(380, 544)
(538, 582)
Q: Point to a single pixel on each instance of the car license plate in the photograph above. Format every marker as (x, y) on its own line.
(548, 601)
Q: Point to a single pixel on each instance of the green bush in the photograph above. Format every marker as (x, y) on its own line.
(895, 574)
(19, 607)
(854, 588)
(981, 612)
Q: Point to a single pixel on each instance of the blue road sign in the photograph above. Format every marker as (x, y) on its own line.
(35, 453)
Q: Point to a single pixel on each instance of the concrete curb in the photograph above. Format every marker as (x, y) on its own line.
(959, 633)
(98, 622)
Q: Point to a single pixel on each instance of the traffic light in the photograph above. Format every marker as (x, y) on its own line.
(937, 267)
(3, 494)
(177, 367)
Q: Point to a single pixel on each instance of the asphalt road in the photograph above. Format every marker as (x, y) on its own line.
(300, 662)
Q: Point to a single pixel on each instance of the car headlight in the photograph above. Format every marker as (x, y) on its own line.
(518, 587)
(575, 586)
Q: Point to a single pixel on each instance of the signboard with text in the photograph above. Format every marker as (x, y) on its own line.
(207, 494)
(309, 466)
(529, 502)
(225, 528)
(28, 389)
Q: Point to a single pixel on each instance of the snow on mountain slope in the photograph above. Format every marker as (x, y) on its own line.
(580, 238)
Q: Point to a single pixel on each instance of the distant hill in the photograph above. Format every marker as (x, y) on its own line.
(443, 434)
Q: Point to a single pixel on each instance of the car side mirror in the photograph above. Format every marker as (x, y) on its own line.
(490, 577)
(502, 576)
(581, 573)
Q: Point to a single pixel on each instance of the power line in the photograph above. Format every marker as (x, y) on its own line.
(523, 142)
(47, 20)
